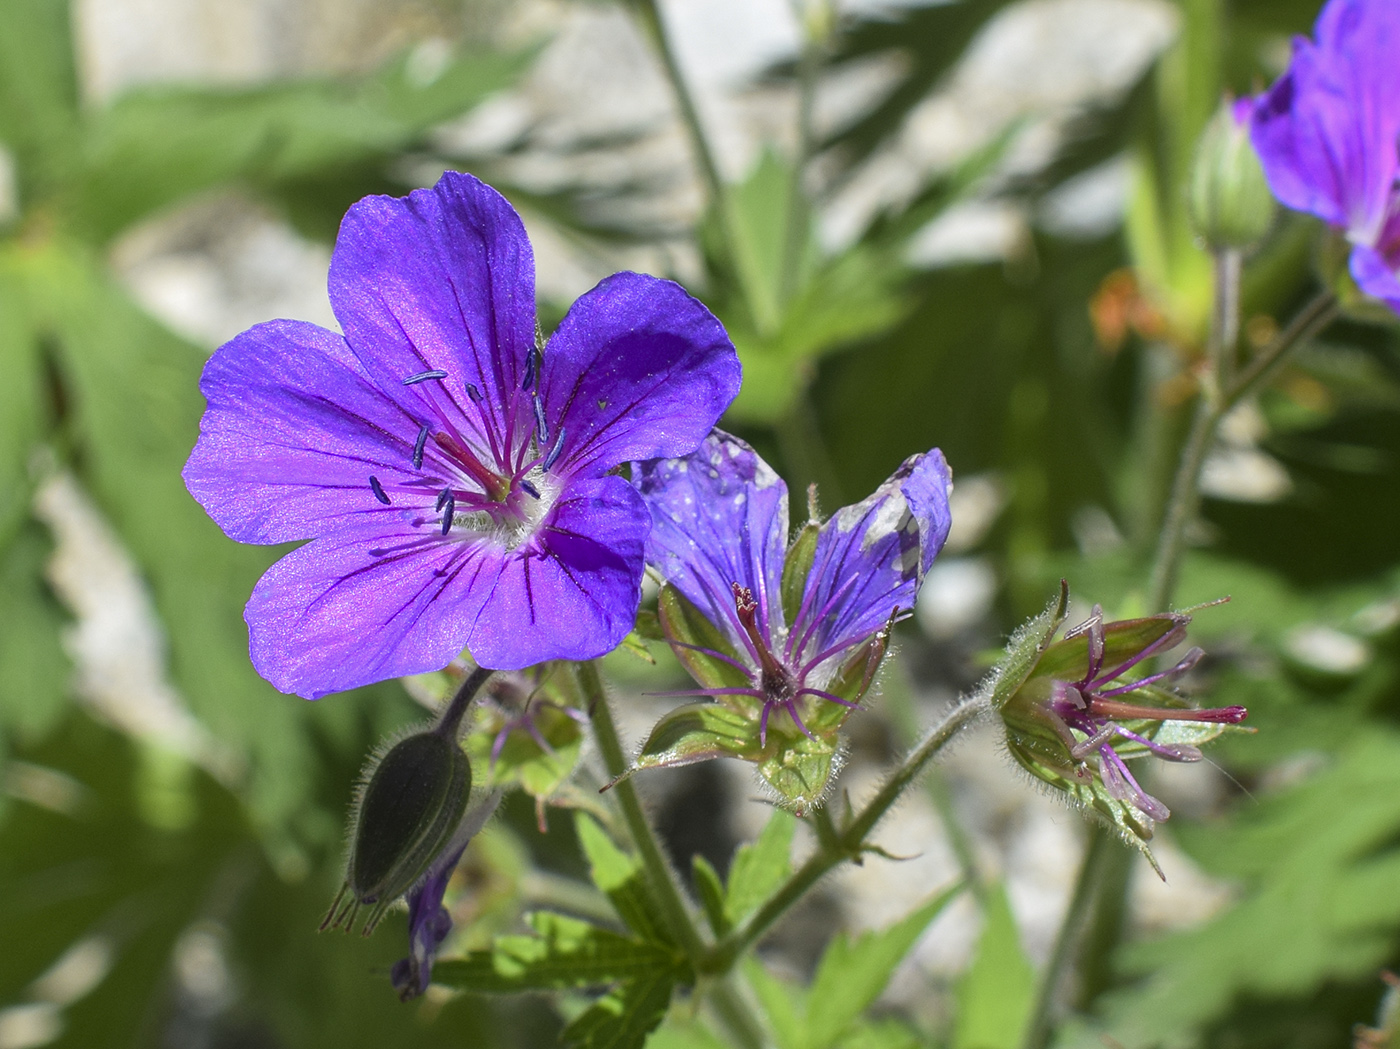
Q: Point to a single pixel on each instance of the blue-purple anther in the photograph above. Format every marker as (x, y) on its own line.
(456, 480)
(1328, 135)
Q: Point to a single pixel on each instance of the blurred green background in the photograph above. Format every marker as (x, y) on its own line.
(957, 224)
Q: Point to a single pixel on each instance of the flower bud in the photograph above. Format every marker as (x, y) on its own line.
(408, 812)
(1228, 198)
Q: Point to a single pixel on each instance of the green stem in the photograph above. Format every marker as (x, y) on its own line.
(1313, 317)
(796, 231)
(898, 702)
(652, 24)
(735, 1014)
(663, 884)
(849, 843)
(1067, 939)
(451, 718)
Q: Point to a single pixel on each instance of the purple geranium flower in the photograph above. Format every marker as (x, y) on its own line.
(720, 537)
(1327, 132)
(454, 479)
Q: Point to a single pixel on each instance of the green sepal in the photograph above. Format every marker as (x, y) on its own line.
(798, 767)
(648, 625)
(1024, 652)
(797, 566)
(857, 674)
(686, 627)
(1044, 756)
(698, 732)
(409, 809)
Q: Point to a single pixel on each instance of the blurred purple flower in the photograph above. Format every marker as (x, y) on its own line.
(720, 534)
(454, 480)
(1327, 131)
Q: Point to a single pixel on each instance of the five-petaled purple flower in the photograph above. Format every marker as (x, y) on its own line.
(720, 535)
(1327, 135)
(1092, 707)
(453, 475)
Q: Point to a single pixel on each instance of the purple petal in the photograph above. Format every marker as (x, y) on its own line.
(572, 591)
(361, 606)
(637, 370)
(719, 517)
(1375, 276)
(442, 279)
(293, 433)
(871, 558)
(1326, 131)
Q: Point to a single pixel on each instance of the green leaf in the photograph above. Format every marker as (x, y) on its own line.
(38, 90)
(759, 867)
(34, 669)
(157, 145)
(711, 892)
(1319, 864)
(623, 1017)
(564, 952)
(995, 994)
(783, 1004)
(852, 973)
(621, 877)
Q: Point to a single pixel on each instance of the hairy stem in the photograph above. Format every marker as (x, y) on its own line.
(1067, 939)
(451, 718)
(849, 843)
(659, 877)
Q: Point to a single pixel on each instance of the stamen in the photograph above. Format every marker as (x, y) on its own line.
(448, 508)
(553, 455)
(1112, 708)
(378, 490)
(541, 426)
(529, 488)
(419, 445)
(532, 363)
(475, 394)
(443, 496)
(435, 373)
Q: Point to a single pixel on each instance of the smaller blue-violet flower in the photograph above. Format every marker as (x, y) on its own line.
(784, 640)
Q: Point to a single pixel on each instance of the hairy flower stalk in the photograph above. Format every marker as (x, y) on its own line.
(455, 476)
(1075, 714)
(783, 641)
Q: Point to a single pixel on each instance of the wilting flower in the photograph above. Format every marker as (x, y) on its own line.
(784, 639)
(1327, 131)
(1075, 715)
(453, 475)
(429, 921)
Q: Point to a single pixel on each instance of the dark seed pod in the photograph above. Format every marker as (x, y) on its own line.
(406, 816)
